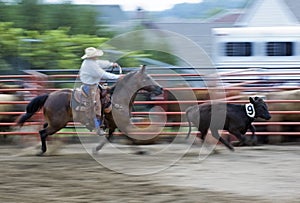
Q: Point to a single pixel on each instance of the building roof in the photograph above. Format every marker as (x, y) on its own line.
(227, 17)
(268, 13)
(294, 6)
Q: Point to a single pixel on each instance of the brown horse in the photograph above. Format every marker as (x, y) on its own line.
(58, 112)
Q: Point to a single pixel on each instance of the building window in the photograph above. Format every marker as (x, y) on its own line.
(238, 49)
(279, 48)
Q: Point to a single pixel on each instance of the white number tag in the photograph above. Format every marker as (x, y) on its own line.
(250, 110)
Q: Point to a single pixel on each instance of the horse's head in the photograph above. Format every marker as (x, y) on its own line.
(146, 82)
(125, 92)
(261, 108)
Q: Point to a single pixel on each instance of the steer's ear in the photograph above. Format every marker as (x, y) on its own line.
(252, 101)
(143, 69)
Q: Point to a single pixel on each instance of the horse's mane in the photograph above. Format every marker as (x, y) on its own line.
(122, 80)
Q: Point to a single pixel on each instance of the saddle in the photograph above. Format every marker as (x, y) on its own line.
(80, 100)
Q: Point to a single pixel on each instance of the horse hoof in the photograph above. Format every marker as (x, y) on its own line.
(94, 151)
(40, 153)
(141, 152)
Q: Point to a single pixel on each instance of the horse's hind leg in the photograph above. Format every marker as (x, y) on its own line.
(203, 133)
(216, 135)
(43, 135)
(45, 125)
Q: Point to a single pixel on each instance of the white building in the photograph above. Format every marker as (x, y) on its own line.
(268, 36)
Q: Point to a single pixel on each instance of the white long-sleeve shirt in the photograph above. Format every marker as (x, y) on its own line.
(92, 71)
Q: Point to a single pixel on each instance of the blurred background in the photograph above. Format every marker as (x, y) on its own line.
(254, 45)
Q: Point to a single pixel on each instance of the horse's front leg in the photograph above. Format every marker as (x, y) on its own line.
(104, 141)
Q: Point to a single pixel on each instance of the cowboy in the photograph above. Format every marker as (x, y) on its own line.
(90, 73)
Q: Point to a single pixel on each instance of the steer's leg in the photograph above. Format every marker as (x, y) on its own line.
(216, 135)
(242, 138)
(253, 136)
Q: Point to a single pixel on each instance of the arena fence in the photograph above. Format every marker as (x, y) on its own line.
(238, 86)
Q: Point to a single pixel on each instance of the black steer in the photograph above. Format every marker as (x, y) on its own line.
(234, 118)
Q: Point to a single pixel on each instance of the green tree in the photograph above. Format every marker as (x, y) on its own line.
(80, 19)
(9, 39)
(51, 49)
(57, 49)
(30, 15)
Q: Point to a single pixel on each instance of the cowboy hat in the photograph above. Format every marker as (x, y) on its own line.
(91, 52)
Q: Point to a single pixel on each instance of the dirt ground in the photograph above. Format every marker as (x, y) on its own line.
(259, 174)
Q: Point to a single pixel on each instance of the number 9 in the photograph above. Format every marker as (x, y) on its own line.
(250, 110)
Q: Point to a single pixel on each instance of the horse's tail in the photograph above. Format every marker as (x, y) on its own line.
(189, 123)
(34, 106)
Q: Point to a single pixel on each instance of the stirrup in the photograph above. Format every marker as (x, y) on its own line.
(100, 131)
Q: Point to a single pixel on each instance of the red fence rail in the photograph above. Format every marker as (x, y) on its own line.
(234, 87)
